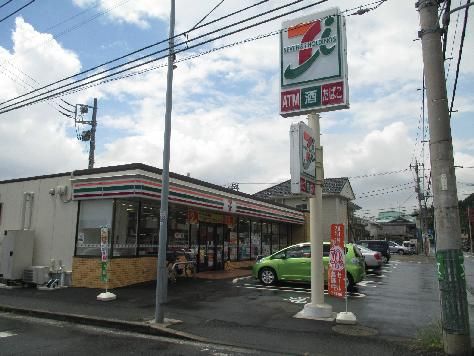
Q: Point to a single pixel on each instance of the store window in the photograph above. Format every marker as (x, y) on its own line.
(244, 239)
(193, 239)
(178, 231)
(256, 239)
(284, 241)
(275, 237)
(149, 228)
(266, 238)
(125, 228)
(233, 243)
(93, 215)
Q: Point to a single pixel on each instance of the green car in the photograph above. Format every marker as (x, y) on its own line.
(294, 264)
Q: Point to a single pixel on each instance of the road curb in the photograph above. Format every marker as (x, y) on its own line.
(139, 327)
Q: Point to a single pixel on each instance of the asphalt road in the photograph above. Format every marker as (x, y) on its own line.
(393, 304)
(21, 335)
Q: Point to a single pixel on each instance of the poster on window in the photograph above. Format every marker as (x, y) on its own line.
(336, 266)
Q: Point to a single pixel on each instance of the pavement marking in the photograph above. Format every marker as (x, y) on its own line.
(297, 300)
(235, 280)
(6, 334)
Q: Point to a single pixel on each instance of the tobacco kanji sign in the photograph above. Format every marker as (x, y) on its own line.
(337, 266)
(313, 64)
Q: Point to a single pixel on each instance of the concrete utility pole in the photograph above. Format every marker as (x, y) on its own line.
(92, 142)
(317, 308)
(452, 283)
(419, 195)
(161, 270)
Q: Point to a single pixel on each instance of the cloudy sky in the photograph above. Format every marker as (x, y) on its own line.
(225, 123)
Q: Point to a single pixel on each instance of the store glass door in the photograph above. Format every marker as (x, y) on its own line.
(211, 246)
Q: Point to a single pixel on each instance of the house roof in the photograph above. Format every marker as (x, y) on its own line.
(330, 186)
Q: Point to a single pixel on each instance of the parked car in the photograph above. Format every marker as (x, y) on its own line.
(411, 246)
(396, 248)
(294, 264)
(378, 245)
(373, 259)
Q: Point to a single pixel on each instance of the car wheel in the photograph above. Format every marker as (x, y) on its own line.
(384, 259)
(268, 276)
(401, 252)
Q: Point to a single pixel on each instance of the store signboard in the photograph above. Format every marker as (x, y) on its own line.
(313, 69)
(302, 159)
(336, 267)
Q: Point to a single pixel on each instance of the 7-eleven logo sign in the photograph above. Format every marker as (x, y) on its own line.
(313, 64)
(316, 39)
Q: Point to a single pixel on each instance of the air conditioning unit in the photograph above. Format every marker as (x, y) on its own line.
(36, 275)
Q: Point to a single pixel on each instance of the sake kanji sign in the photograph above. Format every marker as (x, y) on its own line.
(336, 267)
(313, 64)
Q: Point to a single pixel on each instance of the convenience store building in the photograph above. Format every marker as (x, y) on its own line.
(67, 211)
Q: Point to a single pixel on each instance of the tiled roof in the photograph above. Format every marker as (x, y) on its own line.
(330, 186)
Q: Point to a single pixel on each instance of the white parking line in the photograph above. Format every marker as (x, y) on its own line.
(6, 334)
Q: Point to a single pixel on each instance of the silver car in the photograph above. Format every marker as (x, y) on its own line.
(400, 249)
(373, 259)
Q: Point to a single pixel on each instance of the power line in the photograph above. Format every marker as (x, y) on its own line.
(9, 1)
(143, 49)
(210, 12)
(454, 41)
(463, 35)
(383, 193)
(16, 105)
(18, 10)
(384, 189)
(379, 174)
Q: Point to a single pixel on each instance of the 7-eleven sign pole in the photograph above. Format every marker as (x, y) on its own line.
(317, 309)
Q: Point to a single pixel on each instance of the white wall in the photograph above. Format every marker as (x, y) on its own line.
(53, 220)
(334, 212)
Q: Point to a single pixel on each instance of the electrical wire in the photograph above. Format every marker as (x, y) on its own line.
(463, 35)
(207, 15)
(387, 188)
(379, 174)
(454, 41)
(16, 11)
(16, 105)
(135, 52)
(9, 1)
(383, 193)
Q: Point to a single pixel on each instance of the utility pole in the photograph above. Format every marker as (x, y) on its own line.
(450, 261)
(80, 110)
(92, 141)
(161, 270)
(419, 196)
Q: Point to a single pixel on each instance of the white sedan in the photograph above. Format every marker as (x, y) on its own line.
(373, 259)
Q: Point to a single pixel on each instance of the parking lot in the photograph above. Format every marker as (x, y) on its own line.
(397, 300)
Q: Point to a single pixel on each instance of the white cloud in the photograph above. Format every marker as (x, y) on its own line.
(35, 140)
